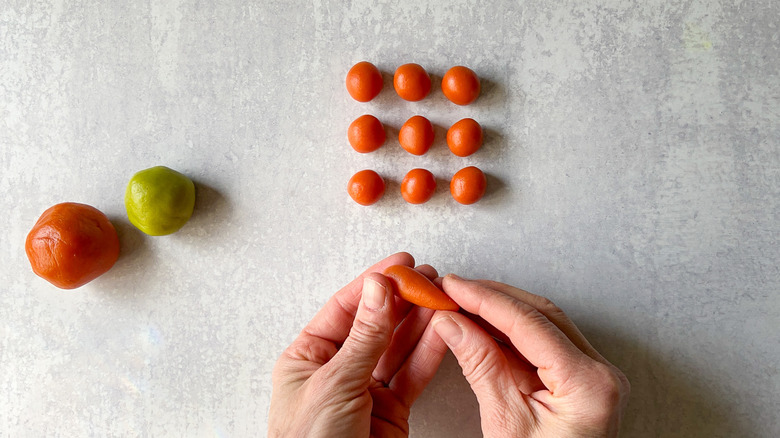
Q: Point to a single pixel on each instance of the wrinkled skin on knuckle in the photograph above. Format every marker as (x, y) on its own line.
(370, 332)
(328, 393)
(590, 406)
(299, 361)
(555, 313)
(546, 305)
(306, 348)
(480, 362)
(285, 371)
(330, 385)
(330, 375)
(598, 406)
(529, 313)
(418, 368)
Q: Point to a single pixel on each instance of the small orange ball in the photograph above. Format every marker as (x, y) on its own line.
(71, 244)
(464, 137)
(366, 187)
(411, 82)
(416, 135)
(468, 185)
(364, 81)
(366, 134)
(460, 85)
(418, 186)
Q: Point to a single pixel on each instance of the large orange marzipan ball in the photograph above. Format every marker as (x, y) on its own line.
(71, 245)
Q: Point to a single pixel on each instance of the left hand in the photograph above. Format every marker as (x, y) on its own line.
(357, 367)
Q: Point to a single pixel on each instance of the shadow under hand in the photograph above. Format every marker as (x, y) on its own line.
(665, 400)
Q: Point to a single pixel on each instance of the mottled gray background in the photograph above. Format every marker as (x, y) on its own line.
(634, 170)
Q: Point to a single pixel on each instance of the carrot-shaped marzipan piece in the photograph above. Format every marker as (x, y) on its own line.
(415, 288)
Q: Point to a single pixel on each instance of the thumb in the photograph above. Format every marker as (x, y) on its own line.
(369, 337)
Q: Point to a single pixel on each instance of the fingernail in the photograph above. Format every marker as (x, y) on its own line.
(454, 277)
(373, 294)
(449, 330)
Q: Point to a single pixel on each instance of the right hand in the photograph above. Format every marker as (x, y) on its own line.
(532, 370)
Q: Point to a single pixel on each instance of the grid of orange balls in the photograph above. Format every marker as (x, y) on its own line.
(366, 133)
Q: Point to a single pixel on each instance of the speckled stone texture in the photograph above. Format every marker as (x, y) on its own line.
(634, 169)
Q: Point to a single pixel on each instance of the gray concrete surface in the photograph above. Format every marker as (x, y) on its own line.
(634, 170)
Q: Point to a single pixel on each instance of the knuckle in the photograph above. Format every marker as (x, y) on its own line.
(626, 385)
(435, 348)
(327, 382)
(369, 332)
(548, 307)
(528, 314)
(285, 363)
(611, 387)
(480, 363)
(325, 377)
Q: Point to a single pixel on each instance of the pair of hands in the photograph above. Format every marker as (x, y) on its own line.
(356, 369)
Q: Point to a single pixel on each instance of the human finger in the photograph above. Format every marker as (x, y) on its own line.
(428, 271)
(482, 361)
(406, 337)
(488, 327)
(552, 312)
(407, 334)
(350, 368)
(525, 374)
(420, 367)
(334, 321)
(540, 341)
